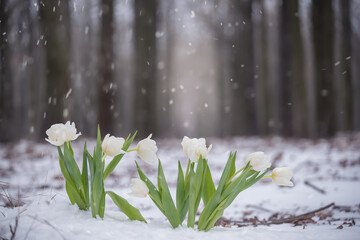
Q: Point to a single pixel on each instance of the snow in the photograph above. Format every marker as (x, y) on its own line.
(31, 171)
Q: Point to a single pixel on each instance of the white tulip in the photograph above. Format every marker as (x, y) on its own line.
(60, 133)
(146, 149)
(70, 131)
(112, 146)
(138, 188)
(194, 148)
(56, 134)
(282, 176)
(258, 161)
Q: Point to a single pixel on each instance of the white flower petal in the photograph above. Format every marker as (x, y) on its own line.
(56, 134)
(112, 146)
(138, 188)
(282, 176)
(146, 150)
(194, 148)
(258, 161)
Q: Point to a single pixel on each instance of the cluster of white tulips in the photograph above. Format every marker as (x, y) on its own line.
(77, 186)
(193, 185)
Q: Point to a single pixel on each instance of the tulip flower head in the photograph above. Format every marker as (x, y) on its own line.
(60, 133)
(194, 148)
(258, 161)
(282, 176)
(70, 131)
(112, 146)
(146, 150)
(138, 188)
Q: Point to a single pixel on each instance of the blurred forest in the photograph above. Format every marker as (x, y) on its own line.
(172, 68)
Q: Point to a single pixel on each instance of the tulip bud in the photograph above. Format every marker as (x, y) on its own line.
(282, 176)
(146, 150)
(138, 188)
(112, 146)
(258, 161)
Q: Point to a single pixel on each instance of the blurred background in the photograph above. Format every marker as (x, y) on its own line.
(172, 68)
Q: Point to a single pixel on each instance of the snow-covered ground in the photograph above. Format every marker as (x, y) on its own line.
(30, 172)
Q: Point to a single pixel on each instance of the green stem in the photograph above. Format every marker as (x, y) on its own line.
(132, 150)
(237, 172)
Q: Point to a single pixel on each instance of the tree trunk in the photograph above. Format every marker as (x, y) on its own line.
(355, 62)
(54, 18)
(242, 71)
(106, 71)
(6, 113)
(342, 66)
(145, 62)
(292, 85)
(309, 68)
(286, 73)
(322, 18)
(260, 73)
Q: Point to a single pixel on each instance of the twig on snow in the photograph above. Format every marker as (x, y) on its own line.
(13, 229)
(301, 217)
(309, 184)
(258, 207)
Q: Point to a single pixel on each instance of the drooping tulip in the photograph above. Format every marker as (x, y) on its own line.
(146, 150)
(282, 176)
(138, 188)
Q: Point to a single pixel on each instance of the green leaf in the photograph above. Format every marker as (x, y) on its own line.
(73, 169)
(239, 186)
(209, 186)
(185, 208)
(153, 192)
(130, 211)
(111, 166)
(102, 204)
(69, 193)
(235, 186)
(167, 202)
(227, 197)
(215, 200)
(192, 198)
(97, 183)
(128, 142)
(196, 187)
(255, 179)
(70, 187)
(180, 189)
(115, 161)
(75, 196)
(85, 176)
(70, 147)
(64, 172)
(91, 165)
(232, 168)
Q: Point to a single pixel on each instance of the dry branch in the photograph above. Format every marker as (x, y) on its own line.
(322, 191)
(305, 216)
